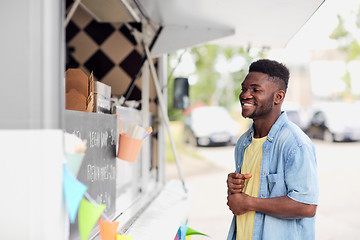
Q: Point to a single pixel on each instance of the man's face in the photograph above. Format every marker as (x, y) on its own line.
(257, 95)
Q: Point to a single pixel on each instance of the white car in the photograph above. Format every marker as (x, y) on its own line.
(210, 125)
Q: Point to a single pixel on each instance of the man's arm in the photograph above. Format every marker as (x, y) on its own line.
(280, 207)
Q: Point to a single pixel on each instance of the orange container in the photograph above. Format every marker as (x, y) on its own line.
(129, 148)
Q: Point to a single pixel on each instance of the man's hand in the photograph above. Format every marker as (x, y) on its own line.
(236, 181)
(239, 203)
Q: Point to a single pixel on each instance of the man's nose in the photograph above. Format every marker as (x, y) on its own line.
(244, 95)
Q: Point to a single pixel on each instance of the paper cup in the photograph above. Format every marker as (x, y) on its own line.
(129, 148)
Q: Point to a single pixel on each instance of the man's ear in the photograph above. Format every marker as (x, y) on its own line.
(279, 97)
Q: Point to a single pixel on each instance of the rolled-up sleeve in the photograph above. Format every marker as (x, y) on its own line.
(301, 175)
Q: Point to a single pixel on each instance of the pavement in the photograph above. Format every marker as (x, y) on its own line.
(337, 213)
(206, 181)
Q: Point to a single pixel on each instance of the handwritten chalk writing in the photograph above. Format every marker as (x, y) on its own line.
(96, 173)
(100, 139)
(112, 136)
(98, 169)
(77, 133)
(94, 139)
(104, 198)
(104, 137)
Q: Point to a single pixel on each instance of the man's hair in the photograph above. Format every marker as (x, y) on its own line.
(277, 71)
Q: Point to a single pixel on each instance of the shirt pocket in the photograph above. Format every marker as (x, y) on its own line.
(276, 185)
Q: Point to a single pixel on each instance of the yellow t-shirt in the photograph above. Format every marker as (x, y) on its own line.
(251, 164)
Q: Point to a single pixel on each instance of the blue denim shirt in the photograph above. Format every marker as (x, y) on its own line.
(288, 168)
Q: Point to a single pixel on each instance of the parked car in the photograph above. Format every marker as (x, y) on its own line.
(336, 122)
(296, 114)
(210, 125)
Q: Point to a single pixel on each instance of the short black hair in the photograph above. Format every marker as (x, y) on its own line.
(277, 71)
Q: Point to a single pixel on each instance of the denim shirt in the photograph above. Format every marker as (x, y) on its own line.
(288, 168)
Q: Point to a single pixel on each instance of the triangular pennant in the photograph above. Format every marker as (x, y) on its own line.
(183, 229)
(73, 191)
(108, 229)
(177, 236)
(88, 216)
(123, 237)
(74, 161)
(191, 231)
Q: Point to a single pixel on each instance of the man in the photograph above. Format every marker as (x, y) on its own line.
(274, 191)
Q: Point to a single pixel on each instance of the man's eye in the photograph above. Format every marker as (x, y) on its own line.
(256, 90)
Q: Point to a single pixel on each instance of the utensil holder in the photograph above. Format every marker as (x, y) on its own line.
(129, 148)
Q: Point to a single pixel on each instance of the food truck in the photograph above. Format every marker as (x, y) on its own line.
(94, 70)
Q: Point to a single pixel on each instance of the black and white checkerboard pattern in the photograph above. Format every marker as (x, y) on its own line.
(106, 49)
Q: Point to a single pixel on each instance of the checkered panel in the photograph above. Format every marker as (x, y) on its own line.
(71, 31)
(106, 49)
(132, 63)
(99, 32)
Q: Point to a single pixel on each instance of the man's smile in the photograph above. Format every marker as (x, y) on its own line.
(247, 104)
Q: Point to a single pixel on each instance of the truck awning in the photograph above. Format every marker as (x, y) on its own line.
(258, 23)
(186, 23)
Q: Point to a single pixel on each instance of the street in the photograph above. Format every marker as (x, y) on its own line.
(338, 166)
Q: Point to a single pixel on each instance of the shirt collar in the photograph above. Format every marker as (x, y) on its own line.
(274, 129)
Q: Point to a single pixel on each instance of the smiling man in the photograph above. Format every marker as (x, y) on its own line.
(273, 193)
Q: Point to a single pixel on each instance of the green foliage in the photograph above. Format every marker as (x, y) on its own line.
(347, 80)
(340, 31)
(357, 21)
(354, 51)
(204, 58)
(213, 87)
(349, 44)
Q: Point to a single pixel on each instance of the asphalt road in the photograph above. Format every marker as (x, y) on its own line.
(337, 215)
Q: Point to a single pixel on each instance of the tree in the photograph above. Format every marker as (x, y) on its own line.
(219, 71)
(348, 43)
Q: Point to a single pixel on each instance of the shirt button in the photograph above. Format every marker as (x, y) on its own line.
(264, 173)
(238, 166)
(262, 195)
(244, 144)
(271, 139)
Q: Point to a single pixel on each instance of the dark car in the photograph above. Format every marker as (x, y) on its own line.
(336, 122)
(210, 125)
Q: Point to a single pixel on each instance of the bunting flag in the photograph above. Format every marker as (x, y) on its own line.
(178, 234)
(88, 215)
(74, 161)
(73, 191)
(123, 237)
(191, 231)
(183, 230)
(108, 229)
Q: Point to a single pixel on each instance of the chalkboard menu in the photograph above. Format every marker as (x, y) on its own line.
(98, 169)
